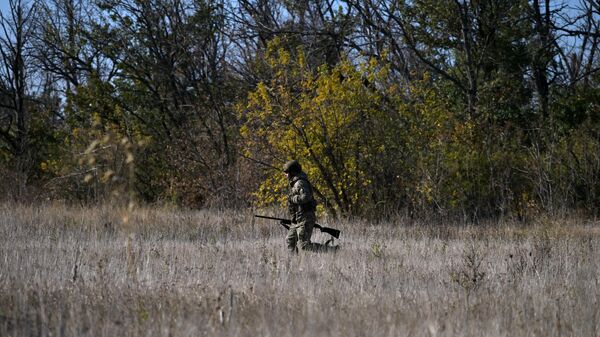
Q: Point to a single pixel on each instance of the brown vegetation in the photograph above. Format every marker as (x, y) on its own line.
(71, 271)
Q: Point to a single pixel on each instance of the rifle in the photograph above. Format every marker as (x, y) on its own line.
(286, 222)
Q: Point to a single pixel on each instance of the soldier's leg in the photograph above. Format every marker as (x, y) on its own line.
(305, 232)
(291, 239)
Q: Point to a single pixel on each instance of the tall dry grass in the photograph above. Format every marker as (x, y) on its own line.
(70, 271)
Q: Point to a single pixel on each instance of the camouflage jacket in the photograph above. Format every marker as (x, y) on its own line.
(300, 198)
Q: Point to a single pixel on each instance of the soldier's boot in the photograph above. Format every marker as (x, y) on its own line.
(329, 247)
(306, 245)
(317, 247)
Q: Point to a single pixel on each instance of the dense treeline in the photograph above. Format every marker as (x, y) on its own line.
(478, 108)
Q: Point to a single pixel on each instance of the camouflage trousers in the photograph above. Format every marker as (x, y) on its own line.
(300, 232)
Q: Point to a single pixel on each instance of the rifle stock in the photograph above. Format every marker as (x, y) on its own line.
(286, 222)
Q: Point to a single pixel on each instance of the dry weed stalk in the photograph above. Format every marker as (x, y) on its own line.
(111, 159)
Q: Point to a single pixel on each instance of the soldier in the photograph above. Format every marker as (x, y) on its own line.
(302, 206)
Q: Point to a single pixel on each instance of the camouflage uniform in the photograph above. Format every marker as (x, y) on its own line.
(302, 209)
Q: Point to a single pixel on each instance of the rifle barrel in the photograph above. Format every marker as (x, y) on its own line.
(268, 217)
(332, 231)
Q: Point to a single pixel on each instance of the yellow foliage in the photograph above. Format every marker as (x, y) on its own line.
(349, 126)
(317, 117)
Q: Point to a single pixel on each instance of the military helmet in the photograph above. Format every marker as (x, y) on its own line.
(292, 167)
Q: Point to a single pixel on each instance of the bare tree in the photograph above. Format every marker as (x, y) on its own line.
(433, 33)
(578, 43)
(65, 43)
(16, 74)
(321, 27)
(174, 81)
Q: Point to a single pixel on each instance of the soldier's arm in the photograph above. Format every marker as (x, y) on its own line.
(303, 193)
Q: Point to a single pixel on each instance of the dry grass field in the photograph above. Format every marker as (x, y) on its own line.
(68, 271)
